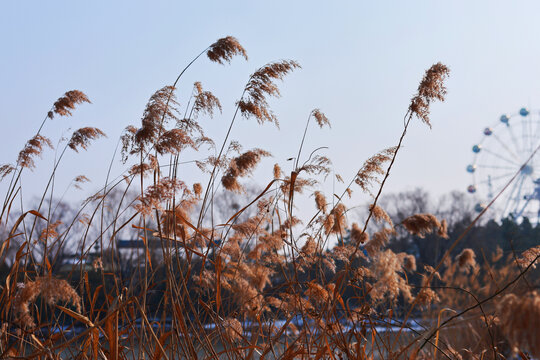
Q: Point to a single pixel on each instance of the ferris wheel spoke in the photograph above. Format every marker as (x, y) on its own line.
(531, 138)
(524, 137)
(498, 167)
(520, 213)
(503, 144)
(536, 133)
(498, 156)
(491, 179)
(520, 188)
(530, 134)
(513, 137)
(510, 198)
(538, 214)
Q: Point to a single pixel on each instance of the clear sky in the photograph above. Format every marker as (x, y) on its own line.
(362, 61)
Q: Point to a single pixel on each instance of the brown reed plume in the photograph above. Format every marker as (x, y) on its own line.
(260, 85)
(155, 195)
(160, 109)
(52, 290)
(33, 147)
(530, 256)
(81, 138)
(241, 166)
(431, 88)
(373, 167)
(320, 118)
(65, 104)
(224, 49)
(357, 235)
(205, 102)
(320, 201)
(423, 224)
(80, 179)
(5, 170)
(466, 259)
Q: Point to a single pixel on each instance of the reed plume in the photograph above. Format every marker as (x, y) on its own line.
(529, 257)
(81, 138)
(154, 195)
(5, 170)
(261, 85)
(80, 179)
(466, 260)
(205, 102)
(241, 166)
(320, 118)
(373, 167)
(380, 215)
(320, 202)
(34, 147)
(431, 88)
(224, 49)
(52, 290)
(65, 104)
(357, 235)
(423, 224)
(160, 109)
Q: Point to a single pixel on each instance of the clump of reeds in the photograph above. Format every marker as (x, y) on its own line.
(245, 278)
(519, 318)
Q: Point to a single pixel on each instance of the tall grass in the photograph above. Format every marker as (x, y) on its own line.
(261, 283)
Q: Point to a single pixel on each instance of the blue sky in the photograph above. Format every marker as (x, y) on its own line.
(361, 60)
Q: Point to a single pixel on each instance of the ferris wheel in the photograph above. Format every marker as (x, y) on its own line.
(498, 156)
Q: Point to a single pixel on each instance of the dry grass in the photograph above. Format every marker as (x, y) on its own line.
(262, 283)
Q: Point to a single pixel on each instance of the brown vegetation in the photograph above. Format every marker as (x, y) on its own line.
(261, 283)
